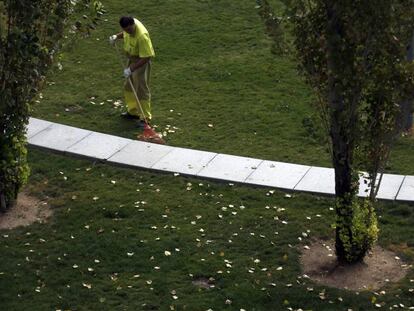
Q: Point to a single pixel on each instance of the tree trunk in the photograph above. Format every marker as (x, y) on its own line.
(6, 203)
(343, 118)
(342, 162)
(3, 206)
(405, 118)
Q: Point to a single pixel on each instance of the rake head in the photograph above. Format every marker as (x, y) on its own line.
(151, 136)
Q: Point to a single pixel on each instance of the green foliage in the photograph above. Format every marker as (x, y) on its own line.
(357, 229)
(360, 76)
(353, 54)
(275, 27)
(314, 129)
(29, 36)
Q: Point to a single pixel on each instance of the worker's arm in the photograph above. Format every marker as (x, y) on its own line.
(139, 63)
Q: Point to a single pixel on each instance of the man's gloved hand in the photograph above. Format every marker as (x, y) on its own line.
(127, 72)
(112, 39)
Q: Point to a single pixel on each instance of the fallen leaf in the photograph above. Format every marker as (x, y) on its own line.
(88, 286)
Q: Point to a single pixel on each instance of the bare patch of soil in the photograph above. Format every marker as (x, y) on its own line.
(378, 268)
(28, 210)
(204, 282)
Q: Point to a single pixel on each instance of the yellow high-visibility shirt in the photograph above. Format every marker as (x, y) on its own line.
(138, 44)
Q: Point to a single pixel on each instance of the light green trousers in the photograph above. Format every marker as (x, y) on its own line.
(140, 81)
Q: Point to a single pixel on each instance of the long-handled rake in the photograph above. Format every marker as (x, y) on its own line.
(149, 134)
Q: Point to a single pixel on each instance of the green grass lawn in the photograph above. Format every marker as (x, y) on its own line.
(213, 66)
(123, 239)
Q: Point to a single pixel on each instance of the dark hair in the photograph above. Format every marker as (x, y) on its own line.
(126, 21)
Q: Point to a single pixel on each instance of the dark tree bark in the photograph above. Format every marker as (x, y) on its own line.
(405, 118)
(342, 119)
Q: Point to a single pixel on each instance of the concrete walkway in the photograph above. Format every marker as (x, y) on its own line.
(122, 151)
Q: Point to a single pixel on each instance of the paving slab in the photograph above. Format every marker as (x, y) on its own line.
(230, 168)
(318, 180)
(124, 151)
(406, 192)
(184, 161)
(390, 185)
(58, 137)
(278, 174)
(35, 126)
(99, 146)
(140, 154)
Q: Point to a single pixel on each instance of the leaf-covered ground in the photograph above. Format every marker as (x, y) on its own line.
(123, 239)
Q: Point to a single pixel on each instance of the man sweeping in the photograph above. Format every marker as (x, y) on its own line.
(139, 50)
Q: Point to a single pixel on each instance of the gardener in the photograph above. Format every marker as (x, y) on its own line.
(139, 50)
